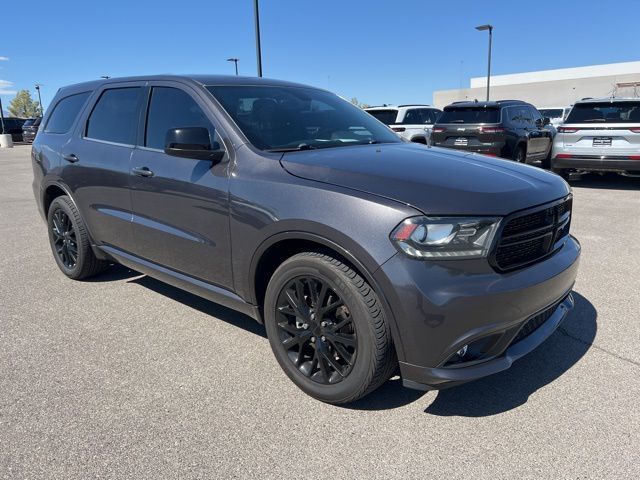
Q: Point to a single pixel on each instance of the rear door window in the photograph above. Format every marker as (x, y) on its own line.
(420, 116)
(65, 113)
(470, 115)
(115, 116)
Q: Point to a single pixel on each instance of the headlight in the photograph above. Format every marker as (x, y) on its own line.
(445, 238)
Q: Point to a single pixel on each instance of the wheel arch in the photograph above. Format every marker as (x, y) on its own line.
(273, 251)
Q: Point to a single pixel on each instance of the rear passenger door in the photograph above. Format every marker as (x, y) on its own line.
(97, 163)
(180, 205)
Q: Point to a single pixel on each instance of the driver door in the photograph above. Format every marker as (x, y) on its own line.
(180, 205)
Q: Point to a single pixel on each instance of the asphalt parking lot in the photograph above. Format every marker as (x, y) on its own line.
(125, 377)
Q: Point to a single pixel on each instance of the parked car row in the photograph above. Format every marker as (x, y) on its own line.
(30, 128)
(601, 135)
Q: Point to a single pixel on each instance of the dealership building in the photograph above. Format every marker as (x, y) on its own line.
(552, 88)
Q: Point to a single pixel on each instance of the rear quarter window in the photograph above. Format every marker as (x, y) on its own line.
(388, 117)
(115, 116)
(65, 113)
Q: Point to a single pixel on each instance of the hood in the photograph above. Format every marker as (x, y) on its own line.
(434, 180)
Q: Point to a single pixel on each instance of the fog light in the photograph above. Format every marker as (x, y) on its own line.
(463, 351)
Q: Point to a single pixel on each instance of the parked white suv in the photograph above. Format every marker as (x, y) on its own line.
(599, 135)
(556, 115)
(413, 122)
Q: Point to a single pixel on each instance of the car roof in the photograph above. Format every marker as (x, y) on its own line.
(609, 99)
(397, 107)
(203, 80)
(485, 104)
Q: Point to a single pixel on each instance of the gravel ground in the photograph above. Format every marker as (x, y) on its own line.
(125, 377)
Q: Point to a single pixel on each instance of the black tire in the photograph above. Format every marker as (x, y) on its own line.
(520, 154)
(546, 161)
(373, 360)
(70, 242)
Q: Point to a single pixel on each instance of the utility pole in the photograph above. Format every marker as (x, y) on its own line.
(490, 28)
(235, 61)
(38, 85)
(258, 50)
(1, 118)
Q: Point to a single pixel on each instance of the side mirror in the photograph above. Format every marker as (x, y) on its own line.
(192, 142)
(546, 121)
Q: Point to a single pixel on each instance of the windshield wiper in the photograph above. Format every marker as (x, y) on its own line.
(302, 146)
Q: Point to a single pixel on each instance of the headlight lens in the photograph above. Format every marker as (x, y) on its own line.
(445, 238)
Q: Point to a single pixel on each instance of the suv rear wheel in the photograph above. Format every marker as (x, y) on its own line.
(326, 328)
(520, 155)
(70, 242)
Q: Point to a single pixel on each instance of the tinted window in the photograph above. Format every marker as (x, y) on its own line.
(419, 116)
(28, 123)
(469, 115)
(605, 112)
(172, 108)
(282, 118)
(551, 112)
(388, 117)
(115, 116)
(65, 113)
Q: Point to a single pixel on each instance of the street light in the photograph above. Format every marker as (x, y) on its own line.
(257, 23)
(235, 61)
(482, 28)
(38, 85)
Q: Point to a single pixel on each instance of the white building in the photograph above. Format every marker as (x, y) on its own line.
(552, 88)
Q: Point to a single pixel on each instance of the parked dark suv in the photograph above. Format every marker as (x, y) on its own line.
(357, 250)
(13, 125)
(30, 129)
(505, 128)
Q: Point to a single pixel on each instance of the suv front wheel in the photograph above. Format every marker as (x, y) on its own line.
(327, 329)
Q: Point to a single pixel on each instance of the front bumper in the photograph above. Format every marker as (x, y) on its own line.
(597, 163)
(439, 307)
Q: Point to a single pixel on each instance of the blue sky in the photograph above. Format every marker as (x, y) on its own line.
(380, 51)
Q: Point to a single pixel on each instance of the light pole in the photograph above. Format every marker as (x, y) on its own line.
(38, 85)
(235, 61)
(258, 50)
(481, 28)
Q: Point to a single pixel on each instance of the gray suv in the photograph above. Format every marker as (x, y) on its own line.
(359, 252)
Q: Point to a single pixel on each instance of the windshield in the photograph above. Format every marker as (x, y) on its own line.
(551, 112)
(388, 117)
(279, 118)
(469, 115)
(605, 112)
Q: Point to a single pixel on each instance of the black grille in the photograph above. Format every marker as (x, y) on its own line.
(530, 237)
(535, 322)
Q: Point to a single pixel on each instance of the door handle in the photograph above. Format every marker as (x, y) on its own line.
(142, 171)
(71, 157)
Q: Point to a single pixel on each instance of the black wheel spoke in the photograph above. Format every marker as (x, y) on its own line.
(348, 340)
(316, 329)
(64, 238)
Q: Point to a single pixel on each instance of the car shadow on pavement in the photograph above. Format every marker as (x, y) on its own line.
(114, 273)
(608, 181)
(509, 389)
(201, 304)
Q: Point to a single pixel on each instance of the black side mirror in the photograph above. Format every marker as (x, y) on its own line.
(192, 142)
(546, 121)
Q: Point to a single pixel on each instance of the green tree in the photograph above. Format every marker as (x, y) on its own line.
(355, 101)
(24, 106)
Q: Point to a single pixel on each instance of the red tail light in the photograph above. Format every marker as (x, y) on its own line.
(438, 129)
(491, 130)
(398, 129)
(563, 155)
(635, 130)
(567, 130)
(634, 157)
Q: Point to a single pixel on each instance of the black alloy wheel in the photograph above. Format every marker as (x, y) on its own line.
(64, 239)
(316, 330)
